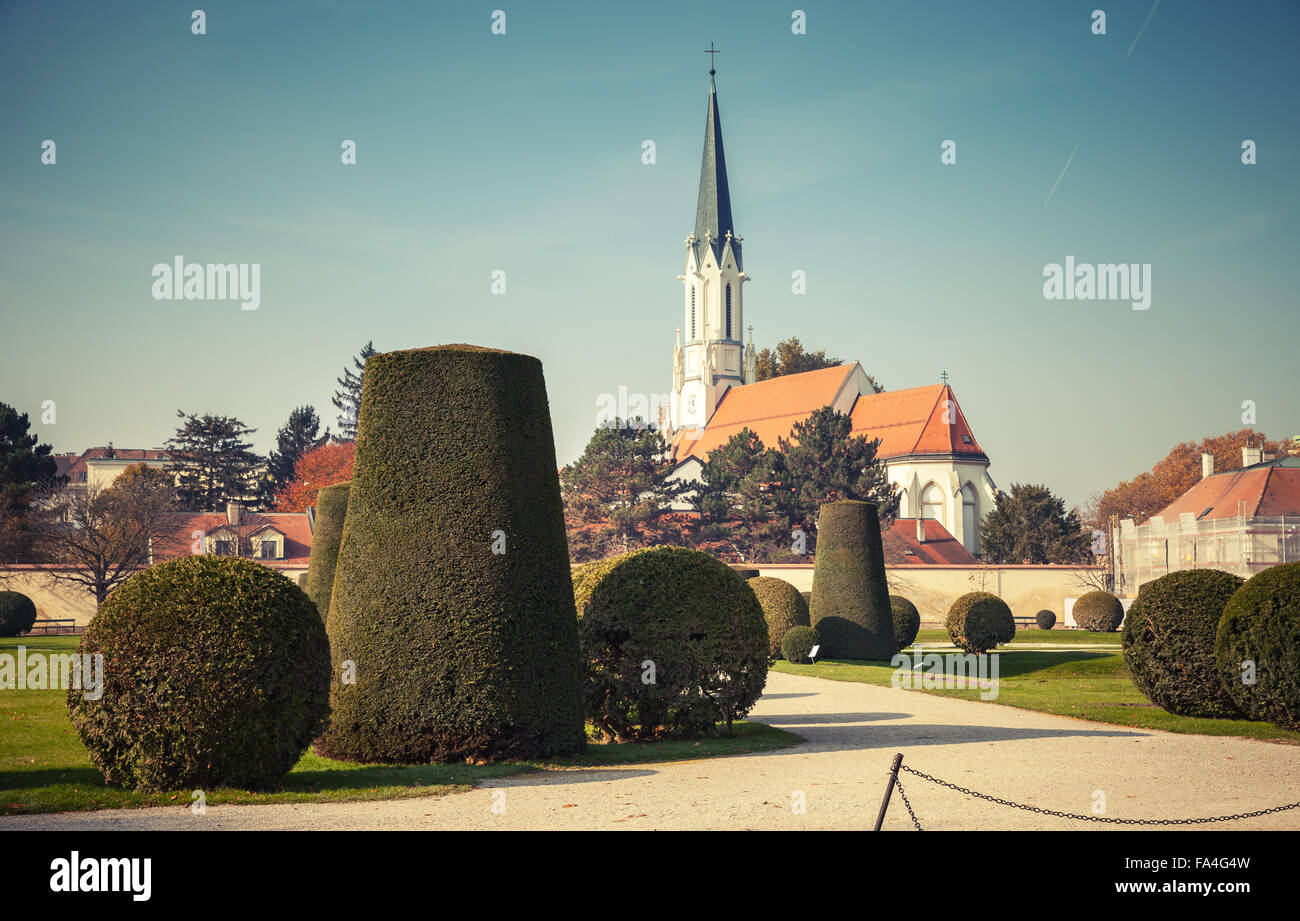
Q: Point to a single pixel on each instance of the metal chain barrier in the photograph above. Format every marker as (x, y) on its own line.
(1078, 816)
(915, 820)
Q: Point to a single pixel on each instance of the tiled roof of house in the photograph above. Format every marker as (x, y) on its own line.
(1271, 488)
(72, 465)
(293, 525)
(939, 545)
(921, 420)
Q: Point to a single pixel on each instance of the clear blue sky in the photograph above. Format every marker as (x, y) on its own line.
(522, 153)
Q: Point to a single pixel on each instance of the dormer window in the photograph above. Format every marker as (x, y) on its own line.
(223, 547)
(270, 550)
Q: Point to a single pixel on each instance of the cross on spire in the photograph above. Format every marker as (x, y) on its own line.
(944, 377)
(711, 51)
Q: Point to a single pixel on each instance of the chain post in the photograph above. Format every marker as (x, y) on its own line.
(889, 789)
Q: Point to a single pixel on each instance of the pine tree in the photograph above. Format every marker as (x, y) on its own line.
(826, 462)
(348, 399)
(617, 495)
(1030, 525)
(295, 438)
(26, 467)
(740, 512)
(212, 462)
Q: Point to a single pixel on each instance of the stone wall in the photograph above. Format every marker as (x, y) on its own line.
(933, 589)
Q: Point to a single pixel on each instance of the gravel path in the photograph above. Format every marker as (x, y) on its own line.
(852, 732)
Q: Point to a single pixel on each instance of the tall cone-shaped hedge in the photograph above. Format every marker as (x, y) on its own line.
(850, 602)
(331, 507)
(453, 604)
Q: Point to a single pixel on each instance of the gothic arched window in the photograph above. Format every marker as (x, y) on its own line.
(728, 311)
(969, 516)
(932, 502)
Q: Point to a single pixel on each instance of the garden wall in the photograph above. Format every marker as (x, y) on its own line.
(933, 589)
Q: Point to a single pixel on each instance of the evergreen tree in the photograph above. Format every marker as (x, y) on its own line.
(348, 398)
(295, 438)
(1030, 525)
(212, 462)
(617, 495)
(826, 462)
(741, 512)
(26, 467)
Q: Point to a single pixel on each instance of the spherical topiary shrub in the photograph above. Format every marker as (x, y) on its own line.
(850, 600)
(587, 576)
(331, 508)
(216, 672)
(1045, 619)
(1098, 612)
(674, 642)
(980, 621)
(1169, 641)
(1260, 627)
(17, 613)
(907, 621)
(783, 608)
(452, 592)
(798, 643)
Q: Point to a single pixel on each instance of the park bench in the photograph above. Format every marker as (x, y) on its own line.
(54, 626)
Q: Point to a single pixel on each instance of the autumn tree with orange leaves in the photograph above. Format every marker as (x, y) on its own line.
(1149, 492)
(316, 469)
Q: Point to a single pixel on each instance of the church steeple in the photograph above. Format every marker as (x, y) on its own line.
(713, 357)
(713, 210)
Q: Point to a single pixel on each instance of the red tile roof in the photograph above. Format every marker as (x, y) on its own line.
(293, 525)
(921, 420)
(1271, 488)
(71, 465)
(939, 545)
(768, 408)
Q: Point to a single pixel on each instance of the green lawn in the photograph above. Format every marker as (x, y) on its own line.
(939, 637)
(1088, 684)
(44, 768)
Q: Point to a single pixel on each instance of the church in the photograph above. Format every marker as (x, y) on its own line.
(926, 442)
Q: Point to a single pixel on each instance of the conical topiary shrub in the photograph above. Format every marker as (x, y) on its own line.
(850, 601)
(453, 605)
(331, 507)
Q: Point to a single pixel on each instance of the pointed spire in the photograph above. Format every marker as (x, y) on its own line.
(713, 211)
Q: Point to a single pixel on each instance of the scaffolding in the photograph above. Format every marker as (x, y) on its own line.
(1243, 545)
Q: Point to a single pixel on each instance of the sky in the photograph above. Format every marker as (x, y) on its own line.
(522, 153)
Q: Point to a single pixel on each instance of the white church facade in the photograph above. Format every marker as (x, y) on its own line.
(930, 453)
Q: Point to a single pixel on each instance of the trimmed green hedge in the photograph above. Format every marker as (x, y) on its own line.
(1169, 641)
(783, 608)
(216, 673)
(798, 642)
(850, 600)
(907, 621)
(1098, 612)
(460, 651)
(331, 509)
(674, 643)
(17, 613)
(1261, 624)
(980, 621)
(1045, 619)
